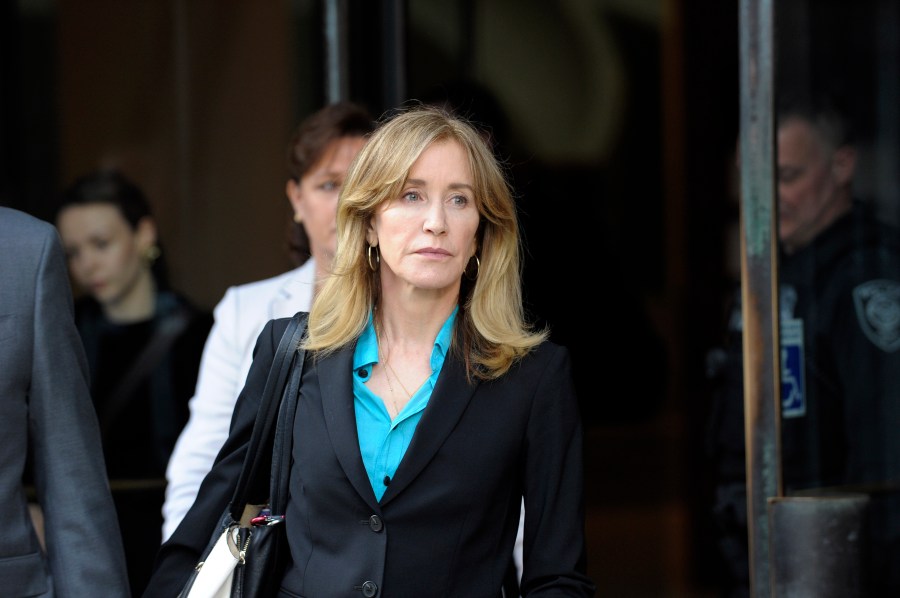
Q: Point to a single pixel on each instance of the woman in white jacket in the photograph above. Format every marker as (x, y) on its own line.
(319, 154)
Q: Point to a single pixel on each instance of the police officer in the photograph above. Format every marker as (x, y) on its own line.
(839, 300)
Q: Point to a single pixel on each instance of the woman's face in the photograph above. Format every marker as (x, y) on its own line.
(426, 235)
(106, 256)
(315, 197)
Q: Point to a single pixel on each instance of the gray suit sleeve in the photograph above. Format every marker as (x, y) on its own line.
(84, 545)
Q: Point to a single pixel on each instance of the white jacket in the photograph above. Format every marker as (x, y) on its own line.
(239, 318)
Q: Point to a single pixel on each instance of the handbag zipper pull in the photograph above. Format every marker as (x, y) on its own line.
(244, 545)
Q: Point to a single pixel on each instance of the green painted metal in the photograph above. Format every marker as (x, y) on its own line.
(759, 274)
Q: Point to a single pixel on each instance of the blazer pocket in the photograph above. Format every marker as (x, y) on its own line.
(25, 575)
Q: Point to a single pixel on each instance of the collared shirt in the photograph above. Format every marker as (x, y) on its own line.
(383, 442)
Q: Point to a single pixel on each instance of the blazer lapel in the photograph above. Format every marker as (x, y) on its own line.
(448, 401)
(335, 382)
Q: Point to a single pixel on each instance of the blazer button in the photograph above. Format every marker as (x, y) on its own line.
(375, 523)
(369, 589)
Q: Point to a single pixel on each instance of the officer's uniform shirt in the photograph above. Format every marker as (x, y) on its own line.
(840, 368)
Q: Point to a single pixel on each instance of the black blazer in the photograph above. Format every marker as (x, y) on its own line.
(447, 522)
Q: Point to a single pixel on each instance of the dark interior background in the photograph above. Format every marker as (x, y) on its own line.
(617, 120)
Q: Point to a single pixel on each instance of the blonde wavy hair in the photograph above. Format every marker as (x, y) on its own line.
(491, 332)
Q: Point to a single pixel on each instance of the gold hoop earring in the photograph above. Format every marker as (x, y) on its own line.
(477, 268)
(373, 267)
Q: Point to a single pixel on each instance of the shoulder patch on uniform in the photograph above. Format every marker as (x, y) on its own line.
(878, 311)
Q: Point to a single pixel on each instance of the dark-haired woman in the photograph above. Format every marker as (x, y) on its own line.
(143, 342)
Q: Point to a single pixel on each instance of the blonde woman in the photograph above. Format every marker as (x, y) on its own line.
(428, 407)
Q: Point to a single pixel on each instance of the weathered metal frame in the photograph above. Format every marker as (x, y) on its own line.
(759, 277)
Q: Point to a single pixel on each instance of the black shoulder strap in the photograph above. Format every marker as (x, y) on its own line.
(283, 441)
(288, 357)
(168, 329)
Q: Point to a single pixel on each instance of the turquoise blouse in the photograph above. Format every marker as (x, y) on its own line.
(383, 442)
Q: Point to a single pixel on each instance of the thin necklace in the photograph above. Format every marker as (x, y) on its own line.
(390, 387)
(399, 381)
(387, 378)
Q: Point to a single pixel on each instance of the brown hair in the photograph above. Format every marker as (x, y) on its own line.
(308, 143)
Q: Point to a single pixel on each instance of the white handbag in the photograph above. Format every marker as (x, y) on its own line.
(215, 574)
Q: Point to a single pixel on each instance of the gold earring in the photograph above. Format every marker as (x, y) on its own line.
(477, 268)
(152, 254)
(372, 267)
(298, 218)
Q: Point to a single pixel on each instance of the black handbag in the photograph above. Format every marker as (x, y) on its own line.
(249, 547)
